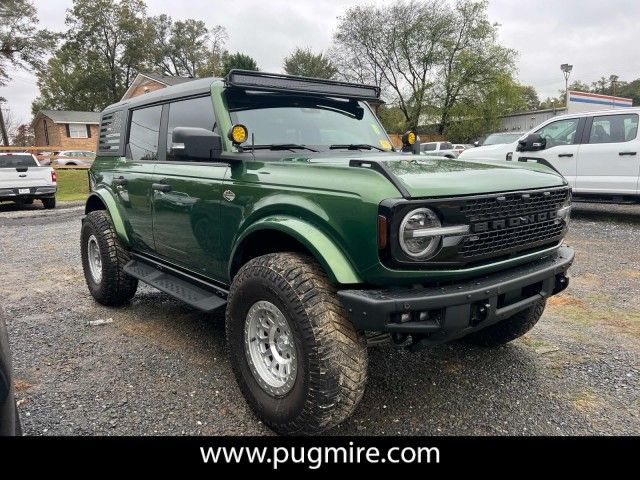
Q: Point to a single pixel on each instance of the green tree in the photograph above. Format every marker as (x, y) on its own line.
(238, 60)
(427, 56)
(305, 63)
(21, 44)
(107, 44)
(186, 48)
(481, 111)
(530, 97)
(392, 119)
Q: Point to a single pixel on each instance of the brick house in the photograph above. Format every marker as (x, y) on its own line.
(66, 129)
(150, 82)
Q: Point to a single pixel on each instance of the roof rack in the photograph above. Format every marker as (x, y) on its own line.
(275, 82)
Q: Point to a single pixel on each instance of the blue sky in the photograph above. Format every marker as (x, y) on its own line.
(598, 38)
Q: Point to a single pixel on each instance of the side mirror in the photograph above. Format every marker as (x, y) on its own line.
(532, 143)
(476, 143)
(195, 143)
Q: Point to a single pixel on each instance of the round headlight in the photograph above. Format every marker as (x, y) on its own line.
(414, 241)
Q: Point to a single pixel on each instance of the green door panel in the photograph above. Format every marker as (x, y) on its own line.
(334, 262)
(134, 199)
(186, 220)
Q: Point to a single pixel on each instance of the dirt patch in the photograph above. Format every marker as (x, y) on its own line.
(565, 299)
(20, 385)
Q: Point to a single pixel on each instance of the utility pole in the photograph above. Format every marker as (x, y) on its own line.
(566, 71)
(3, 128)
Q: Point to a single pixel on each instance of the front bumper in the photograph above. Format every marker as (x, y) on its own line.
(34, 192)
(444, 313)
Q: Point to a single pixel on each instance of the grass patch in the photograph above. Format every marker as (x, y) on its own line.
(72, 185)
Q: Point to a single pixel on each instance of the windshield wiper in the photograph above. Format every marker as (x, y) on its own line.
(279, 146)
(355, 146)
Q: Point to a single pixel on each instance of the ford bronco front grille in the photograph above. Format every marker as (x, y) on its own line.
(514, 204)
(501, 225)
(512, 222)
(498, 241)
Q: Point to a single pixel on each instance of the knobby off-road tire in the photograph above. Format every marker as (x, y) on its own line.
(49, 203)
(114, 287)
(508, 329)
(331, 356)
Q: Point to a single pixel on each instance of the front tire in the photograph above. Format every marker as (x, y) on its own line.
(508, 329)
(298, 360)
(48, 203)
(103, 261)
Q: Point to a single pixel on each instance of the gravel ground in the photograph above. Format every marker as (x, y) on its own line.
(160, 367)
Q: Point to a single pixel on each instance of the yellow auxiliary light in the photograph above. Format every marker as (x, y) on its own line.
(238, 134)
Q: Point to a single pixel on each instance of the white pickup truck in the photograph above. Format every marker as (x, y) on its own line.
(23, 180)
(597, 152)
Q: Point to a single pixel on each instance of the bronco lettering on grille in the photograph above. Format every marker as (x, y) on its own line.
(512, 222)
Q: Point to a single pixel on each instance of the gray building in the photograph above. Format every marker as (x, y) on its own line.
(525, 121)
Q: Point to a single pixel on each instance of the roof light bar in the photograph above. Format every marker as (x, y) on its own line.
(273, 82)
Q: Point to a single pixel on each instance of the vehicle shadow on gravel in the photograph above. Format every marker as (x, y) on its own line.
(625, 214)
(12, 207)
(453, 388)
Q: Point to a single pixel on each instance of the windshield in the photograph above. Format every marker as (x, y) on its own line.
(501, 138)
(17, 161)
(319, 123)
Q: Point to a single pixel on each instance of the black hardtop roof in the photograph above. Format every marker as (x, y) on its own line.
(194, 87)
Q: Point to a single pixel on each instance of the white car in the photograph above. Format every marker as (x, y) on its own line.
(497, 146)
(597, 152)
(74, 158)
(23, 180)
(439, 149)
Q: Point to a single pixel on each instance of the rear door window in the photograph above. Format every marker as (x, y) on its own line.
(446, 146)
(144, 133)
(17, 161)
(614, 128)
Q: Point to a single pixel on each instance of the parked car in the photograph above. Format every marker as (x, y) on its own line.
(497, 146)
(75, 158)
(280, 199)
(460, 147)
(9, 417)
(23, 180)
(439, 149)
(597, 152)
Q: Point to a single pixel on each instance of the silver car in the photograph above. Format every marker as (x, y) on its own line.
(83, 158)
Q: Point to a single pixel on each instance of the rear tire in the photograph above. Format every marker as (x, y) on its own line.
(103, 261)
(509, 329)
(328, 355)
(48, 203)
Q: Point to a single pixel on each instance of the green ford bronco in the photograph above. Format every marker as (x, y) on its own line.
(282, 199)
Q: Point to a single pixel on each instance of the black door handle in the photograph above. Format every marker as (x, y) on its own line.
(120, 181)
(627, 153)
(161, 187)
(565, 154)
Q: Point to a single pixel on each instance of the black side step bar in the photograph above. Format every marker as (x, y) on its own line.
(189, 289)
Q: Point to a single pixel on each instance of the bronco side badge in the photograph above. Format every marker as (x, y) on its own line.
(229, 195)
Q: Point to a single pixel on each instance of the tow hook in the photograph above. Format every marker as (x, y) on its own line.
(562, 282)
(479, 313)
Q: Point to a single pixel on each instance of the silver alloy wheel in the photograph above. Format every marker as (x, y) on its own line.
(94, 259)
(270, 348)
